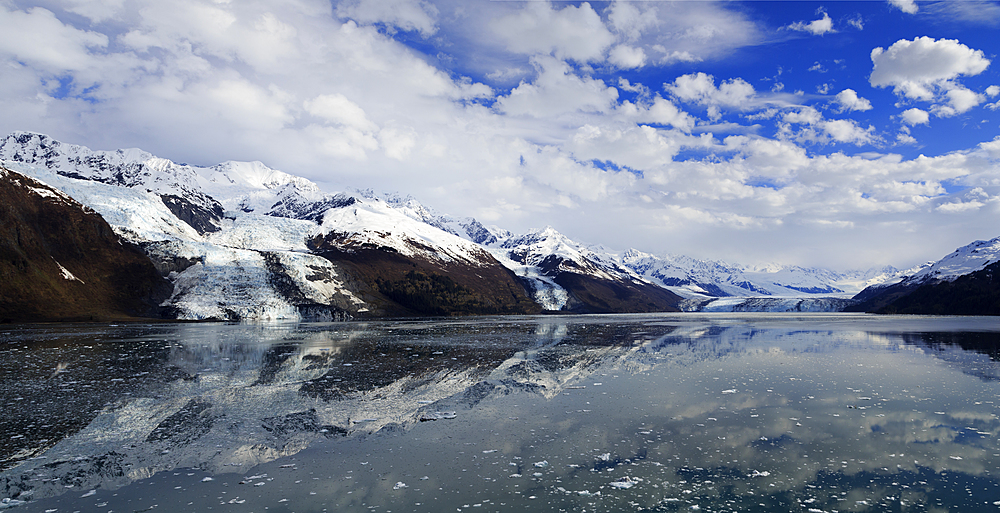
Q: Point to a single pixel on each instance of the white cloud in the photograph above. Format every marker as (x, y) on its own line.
(670, 57)
(96, 10)
(699, 88)
(805, 115)
(927, 70)
(629, 20)
(556, 91)
(575, 33)
(915, 117)
(338, 109)
(38, 38)
(907, 6)
(992, 91)
(959, 100)
(848, 131)
(818, 27)
(818, 130)
(415, 15)
(627, 57)
(905, 138)
(850, 101)
(666, 113)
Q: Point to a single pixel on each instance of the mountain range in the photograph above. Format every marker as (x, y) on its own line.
(241, 241)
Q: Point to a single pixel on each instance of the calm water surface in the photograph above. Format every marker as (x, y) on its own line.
(811, 413)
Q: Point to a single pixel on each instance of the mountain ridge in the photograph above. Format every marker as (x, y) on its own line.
(239, 241)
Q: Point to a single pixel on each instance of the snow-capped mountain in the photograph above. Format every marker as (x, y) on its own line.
(691, 277)
(962, 282)
(242, 241)
(239, 240)
(964, 260)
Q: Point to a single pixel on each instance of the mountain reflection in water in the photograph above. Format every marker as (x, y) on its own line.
(667, 412)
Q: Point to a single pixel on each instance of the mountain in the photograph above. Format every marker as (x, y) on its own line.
(964, 282)
(59, 260)
(240, 241)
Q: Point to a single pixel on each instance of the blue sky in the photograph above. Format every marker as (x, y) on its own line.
(840, 134)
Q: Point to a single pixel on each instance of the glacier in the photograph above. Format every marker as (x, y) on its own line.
(238, 241)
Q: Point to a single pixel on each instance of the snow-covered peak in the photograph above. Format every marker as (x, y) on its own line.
(255, 175)
(367, 223)
(964, 260)
(541, 243)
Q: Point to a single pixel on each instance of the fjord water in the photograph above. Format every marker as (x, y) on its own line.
(690, 412)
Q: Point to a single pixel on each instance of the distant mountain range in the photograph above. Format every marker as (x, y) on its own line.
(241, 241)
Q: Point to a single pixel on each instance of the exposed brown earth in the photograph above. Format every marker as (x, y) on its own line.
(400, 285)
(42, 229)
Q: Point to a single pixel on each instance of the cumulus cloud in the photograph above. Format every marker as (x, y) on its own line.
(335, 95)
(914, 68)
(907, 6)
(699, 88)
(336, 109)
(37, 37)
(818, 27)
(627, 57)
(632, 19)
(575, 33)
(958, 100)
(849, 100)
(814, 128)
(557, 91)
(415, 15)
(915, 116)
(926, 69)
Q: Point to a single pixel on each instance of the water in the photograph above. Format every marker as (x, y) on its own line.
(691, 412)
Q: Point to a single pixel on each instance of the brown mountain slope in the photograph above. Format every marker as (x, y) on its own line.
(61, 261)
(398, 285)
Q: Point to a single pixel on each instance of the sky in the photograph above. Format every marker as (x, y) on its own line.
(837, 134)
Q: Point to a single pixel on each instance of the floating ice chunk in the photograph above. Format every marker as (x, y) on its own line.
(537, 474)
(955, 457)
(757, 473)
(605, 457)
(206, 479)
(730, 391)
(541, 464)
(89, 494)
(491, 451)
(425, 401)
(399, 485)
(598, 384)
(426, 416)
(626, 482)
(259, 484)
(515, 475)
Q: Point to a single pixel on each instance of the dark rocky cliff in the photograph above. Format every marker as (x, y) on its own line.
(62, 261)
